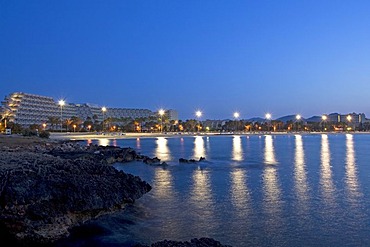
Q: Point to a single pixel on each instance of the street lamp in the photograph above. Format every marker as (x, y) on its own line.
(74, 128)
(298, 118)
(268, 117)
(349, 118)
(89, 127)
(161, 113)
(236, 116)
(44, 125)
(324, 118)
(103, 109)
(61, 104)
(198, 114)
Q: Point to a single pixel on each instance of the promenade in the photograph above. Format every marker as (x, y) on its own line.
(118, 135)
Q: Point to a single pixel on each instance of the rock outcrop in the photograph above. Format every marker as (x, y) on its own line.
(47, 189)
(195, 242)
(182, 160)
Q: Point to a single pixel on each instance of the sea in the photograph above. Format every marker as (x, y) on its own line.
(251, 190)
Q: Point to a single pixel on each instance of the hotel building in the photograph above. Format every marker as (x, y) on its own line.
(27, 109)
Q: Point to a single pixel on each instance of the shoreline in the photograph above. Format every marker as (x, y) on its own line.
(93, 136)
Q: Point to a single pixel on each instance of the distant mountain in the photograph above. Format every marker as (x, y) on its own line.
(290, 118)
(314, 119)
(256, 119)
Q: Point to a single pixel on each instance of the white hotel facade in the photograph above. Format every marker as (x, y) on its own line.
(27, 109)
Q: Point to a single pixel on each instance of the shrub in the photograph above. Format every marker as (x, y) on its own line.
(29, 132)
(44, 134)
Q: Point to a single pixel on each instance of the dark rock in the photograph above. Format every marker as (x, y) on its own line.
(182, 160)
(201, 242)
(42, 196)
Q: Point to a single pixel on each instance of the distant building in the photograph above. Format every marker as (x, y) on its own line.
(172, 114)
(27, 109)
(353, 118)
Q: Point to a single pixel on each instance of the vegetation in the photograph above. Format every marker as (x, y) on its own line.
(158, 123)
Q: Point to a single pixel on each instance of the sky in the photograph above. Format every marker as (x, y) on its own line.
(282, 57)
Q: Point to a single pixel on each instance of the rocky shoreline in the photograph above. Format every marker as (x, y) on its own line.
(49, 187)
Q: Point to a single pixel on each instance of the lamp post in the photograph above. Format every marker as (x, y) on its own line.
(61, 104)
(236, 116)
(103, 109)
(268, 117)
(161, 113)
(298, 118)
(324, 118)
(89, 127)
(198, 114)
(74, 128)
(349, 118)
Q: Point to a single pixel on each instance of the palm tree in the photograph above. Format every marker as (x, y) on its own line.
(53, 121)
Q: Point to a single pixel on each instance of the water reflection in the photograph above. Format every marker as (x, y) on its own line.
(103, 142)
(201, 197)
(239, 191)
(237, 149)
(300, 173)
(199, 150)
(272, 191)
(351, 172)
(326, 179)
(138, 145)
(269, 151)
(162, 184)
(162, 151)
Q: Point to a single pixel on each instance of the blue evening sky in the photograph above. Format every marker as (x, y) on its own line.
(284, 57)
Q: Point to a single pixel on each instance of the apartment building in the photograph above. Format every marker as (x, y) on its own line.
(27, 109)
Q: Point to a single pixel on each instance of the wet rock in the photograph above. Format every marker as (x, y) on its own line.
(182, 160)
(195, 242)
(43, 196)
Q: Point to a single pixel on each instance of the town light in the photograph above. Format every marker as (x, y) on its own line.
(324, 117)
(268, 116)
(349, 118)
(298, 117)
(236, 114)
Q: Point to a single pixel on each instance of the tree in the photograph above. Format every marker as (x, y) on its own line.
(53, 121)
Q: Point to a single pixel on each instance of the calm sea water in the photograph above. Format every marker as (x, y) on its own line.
(268, 190)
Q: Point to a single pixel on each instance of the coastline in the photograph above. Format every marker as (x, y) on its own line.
(93, 136)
